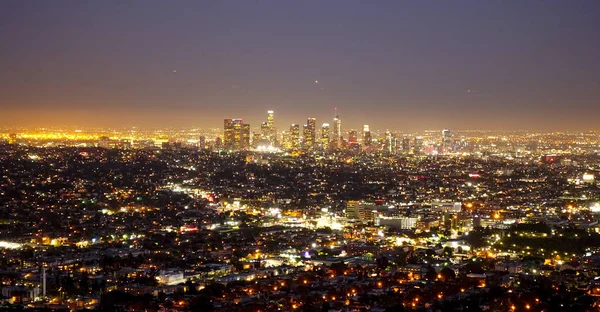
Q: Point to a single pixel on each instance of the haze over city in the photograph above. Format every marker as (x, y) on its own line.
(300, 156)
(394, 65)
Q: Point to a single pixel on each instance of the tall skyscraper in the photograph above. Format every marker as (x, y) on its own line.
(325, 136)
(418, 145)
(406, 145)
(245, 136)
(309, 134)
(366, 136)
(228, 134)
(390, 143)
(295, 137)
(236, 134)
(272, 132)
(352, 137)
(264, 130)
(446, 141)
(337, 131)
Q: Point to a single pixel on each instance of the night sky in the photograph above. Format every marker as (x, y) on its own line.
(406, 65)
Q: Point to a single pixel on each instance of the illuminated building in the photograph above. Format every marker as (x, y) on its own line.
(366, 136)
(325, 135)
(406, 145)
(245, 141)
(390, 143)
(309, 133)
(264, 130)
(352, 137)
(236, 134)
(228, 136)
(353, 209)
(363, 211)
(418, 145)
(218, 143)
(256, 139)
(286, 140)
(398, 222)
(337, 131)
(446, 141)
(295, 137)
(270, 127)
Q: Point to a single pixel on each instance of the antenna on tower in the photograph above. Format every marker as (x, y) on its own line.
(335, 109)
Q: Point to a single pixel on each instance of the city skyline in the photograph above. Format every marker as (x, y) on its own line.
(268, 155)
(409, 66)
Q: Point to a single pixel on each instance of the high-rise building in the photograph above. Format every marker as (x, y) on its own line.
(309, 133)
(390, 143)
(325, 135)
(238, 124)
(295, 137)
(366, 136)
(353, 141)
(272, 132)
(336, 140)
(418, 145)
(286, 140)
(264, 130)
(352, 137)
(406, 145)
(236, 134)
(228, 133)
(446, 141)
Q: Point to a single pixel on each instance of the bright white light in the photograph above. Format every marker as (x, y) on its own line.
(9, 245)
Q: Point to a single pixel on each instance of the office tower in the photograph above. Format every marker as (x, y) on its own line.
(446, 141)
(309, 134)
(352, 137)
(406, 145)
(272, 133)
(366, 136)
(390, 143)
(336, 140)
(325, 136)
(295, 137)
(353, 141)
(256, 138)
(353, 209)
(228, 137)
(245, 139)
(264, 130)
(286, 140)
(236, 134)
(418, 146)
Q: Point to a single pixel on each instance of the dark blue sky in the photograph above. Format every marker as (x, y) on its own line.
(393, 64)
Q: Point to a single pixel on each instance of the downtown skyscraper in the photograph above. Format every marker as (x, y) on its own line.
(236, 134)
(310, 134)
(268, 131)
(336, 140)
(325, 138)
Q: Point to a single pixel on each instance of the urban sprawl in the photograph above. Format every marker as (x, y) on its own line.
(306, 219)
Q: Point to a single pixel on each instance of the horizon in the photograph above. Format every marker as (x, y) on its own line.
(496, 65)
